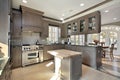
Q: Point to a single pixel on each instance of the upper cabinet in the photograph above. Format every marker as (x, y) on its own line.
(71, 28)
(45, 27)
(63, 31)
(94, 22)
(31, 19)
(87, 24)
(82, 25)
(74, 27)
(15, 28)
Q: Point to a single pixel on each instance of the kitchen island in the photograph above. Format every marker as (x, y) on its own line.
(68, 64)
(5, 68)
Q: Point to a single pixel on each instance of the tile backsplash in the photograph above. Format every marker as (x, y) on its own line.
(31, 38)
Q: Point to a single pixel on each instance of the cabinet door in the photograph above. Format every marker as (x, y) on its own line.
(82, 25)
(16, 24)
(75, 28)
(46, 55)
(16, 59)
(45, 29)
(69, 28)
(94, 22)
(31, 19)
(63, 31)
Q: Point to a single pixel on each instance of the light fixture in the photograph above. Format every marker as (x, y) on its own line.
(106, 11)
(61, 19)
(82, 4)
(24, 1)
(114, 18)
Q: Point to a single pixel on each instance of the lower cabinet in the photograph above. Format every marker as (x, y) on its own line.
(7, 71)
(16, 56)
(46, 55)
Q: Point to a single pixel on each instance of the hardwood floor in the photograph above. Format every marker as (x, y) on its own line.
(111, 67)
(45, 71)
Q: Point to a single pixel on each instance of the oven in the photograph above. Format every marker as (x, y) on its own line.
(30, 57)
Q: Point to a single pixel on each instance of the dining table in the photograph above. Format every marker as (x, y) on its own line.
(104, 50)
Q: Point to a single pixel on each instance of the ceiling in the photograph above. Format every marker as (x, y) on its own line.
(112, 16)
(58, 9)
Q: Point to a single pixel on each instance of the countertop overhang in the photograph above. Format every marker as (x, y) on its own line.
(63, 53)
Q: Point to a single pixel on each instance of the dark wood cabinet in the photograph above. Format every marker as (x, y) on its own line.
(70, 28)
(16, 56)
(83, 25)
(90, 23)
(87, 24)
(16, 23)
(63, 31)
(46, 55)
(94, 22)
(7, 71)
(31, 20)
(45, 29)
(75, 27)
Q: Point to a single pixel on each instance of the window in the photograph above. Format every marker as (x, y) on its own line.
(72, 39)
(113, 38)
(102, 36)
(81, 39)
(54, 34)
(92, 37)
(77, 39)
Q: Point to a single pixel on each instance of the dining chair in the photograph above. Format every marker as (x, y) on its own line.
(103, 50)
(111, 51)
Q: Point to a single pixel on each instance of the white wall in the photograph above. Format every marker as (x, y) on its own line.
(4, 26)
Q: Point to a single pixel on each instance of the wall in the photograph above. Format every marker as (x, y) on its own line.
(4, 26)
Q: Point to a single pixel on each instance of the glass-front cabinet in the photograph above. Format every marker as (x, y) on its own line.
(82, 27)
(69, 29)
(72, 27)
(94, 23)
(87, 24)
(75, 27)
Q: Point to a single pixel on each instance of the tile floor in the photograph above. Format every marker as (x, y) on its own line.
(43, 72)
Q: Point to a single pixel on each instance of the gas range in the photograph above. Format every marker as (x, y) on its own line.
(32, 54)
(32, 47)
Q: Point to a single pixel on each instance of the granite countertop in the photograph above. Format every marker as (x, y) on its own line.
(3, 62)
(63, 53)
(72, 45)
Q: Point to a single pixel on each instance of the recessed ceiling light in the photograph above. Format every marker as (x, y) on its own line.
(106, 11)
(114, 18)
(82, 4)
(24, 1)
(61, 19)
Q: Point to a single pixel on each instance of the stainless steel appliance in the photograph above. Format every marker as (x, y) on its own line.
(31, 54)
